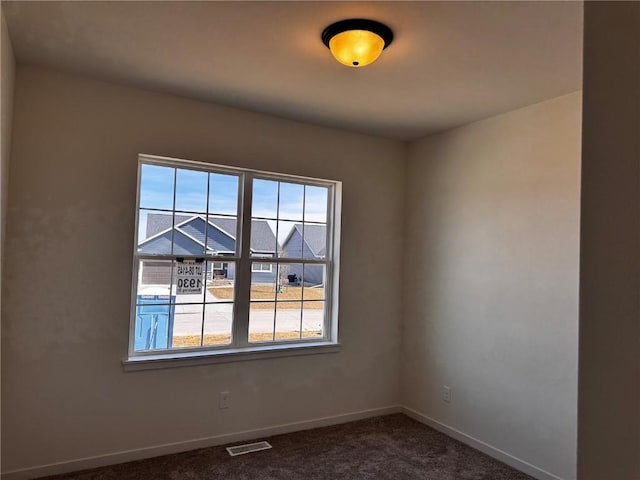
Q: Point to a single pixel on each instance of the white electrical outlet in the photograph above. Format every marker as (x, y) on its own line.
(446, 393)
(224, 400)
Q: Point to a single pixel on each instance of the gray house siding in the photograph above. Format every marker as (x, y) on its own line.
(293, 247)
(313, 274)
(263, 277)
(216, 239)
(182, 245)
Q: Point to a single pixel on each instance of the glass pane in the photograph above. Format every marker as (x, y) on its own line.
(223, 194)
(156, 187)
(261, 321)
(218, 321)
(188, 234)
(288, 320)
(291, 201)
(188, 284)
(314, 281)
(154, 231)
(265, 198)
(220, 281)
(187, 326)
(154, 323)
(289, 281)
(290, 239)
(191, 190)
(315, 241)
(221, 235)
(315, 204)
(312, 319)
(154, 280)
(263, 281)
(263, 239)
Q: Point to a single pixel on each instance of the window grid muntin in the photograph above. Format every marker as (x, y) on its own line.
(243, 210)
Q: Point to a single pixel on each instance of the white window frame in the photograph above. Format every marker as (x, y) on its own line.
(258, 267)
(241, 348)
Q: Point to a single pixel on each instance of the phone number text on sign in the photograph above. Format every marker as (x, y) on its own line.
(189, 277)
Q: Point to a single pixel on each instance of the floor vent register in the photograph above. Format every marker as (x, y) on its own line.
(248, 448)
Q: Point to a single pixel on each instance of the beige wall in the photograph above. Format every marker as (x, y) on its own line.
(491, 281)
(7, 76)
(609, 413)
(489, 286)
(68, 264)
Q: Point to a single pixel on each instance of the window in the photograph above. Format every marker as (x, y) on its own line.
(262, 267)
(231, 260)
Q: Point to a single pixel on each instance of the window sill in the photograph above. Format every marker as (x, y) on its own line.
(186, 359)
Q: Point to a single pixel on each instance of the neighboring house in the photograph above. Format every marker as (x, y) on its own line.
(193, 235)
(311, 245)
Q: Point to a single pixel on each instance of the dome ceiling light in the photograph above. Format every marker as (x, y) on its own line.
(357, 42)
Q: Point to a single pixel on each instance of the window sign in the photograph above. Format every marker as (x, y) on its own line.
(189, 277)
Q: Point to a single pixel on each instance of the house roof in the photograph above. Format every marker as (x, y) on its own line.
(315, 236)
(220, 232)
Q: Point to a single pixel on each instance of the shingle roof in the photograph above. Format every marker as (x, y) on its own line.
(262, 237)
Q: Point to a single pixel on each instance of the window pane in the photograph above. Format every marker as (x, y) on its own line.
(290, 239)
(263, 239)
(315, 241)
(154, 232)
(191, 190)
(156, 187)
(187, 327)
(188, 234)
(315, 204)
(261, 321)
(289, 281)
(312, 319)
(154, 280)
(220, 282)
(263, 281)
(291, 201)
(265, 198)
(153, 325)
(314, 279)
(223, 194)
(221, 235)
(218, 321)
(288, 320)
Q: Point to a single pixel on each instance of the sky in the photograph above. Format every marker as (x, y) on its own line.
(195, 191)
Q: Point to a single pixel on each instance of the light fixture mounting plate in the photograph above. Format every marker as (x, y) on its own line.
(378, 28)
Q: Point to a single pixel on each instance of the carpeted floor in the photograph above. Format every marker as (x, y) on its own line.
(393, 447)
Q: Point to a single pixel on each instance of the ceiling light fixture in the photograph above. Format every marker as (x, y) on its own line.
(357, 42)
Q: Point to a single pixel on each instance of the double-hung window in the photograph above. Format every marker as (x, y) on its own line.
(231, 261)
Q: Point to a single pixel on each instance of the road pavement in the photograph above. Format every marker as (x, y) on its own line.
(218, 318)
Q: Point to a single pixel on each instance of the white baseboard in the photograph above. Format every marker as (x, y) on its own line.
(494, 452)
(169, 448)
(147, 452)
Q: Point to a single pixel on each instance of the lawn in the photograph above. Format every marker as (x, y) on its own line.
(267, 292)
(194, 340)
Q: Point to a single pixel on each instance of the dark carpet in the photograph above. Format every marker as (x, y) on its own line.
(392, 447)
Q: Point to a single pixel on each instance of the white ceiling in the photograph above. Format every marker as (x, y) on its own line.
(450, 62)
